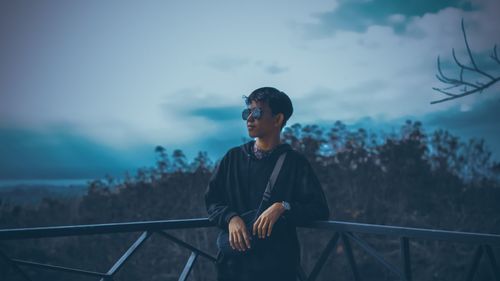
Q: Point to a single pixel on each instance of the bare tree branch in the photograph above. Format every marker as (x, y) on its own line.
(468, 87)
(494, 55)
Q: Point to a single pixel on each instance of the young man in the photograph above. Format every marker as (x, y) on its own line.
(238, 183)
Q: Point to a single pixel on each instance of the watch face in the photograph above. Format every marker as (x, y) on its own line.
(286, 205)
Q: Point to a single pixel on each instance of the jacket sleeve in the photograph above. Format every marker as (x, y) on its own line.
(308, 199)
(216, 202)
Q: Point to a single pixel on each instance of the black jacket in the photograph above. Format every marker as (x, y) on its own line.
(237, 185)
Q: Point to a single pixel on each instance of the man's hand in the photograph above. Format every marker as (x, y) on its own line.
(265, 222)
(238, 234)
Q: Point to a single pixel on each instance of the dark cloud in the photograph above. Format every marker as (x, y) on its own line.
(58, 153)
(483, 60)
(275, 69)
(224, 113)
(479, 121)
(358, 15)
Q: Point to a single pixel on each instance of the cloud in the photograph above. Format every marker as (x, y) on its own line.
(348, 103)
(358, 15)
(275, 69)
(406, 65)
(233, 64)
(482, 117)
(224, 113)
(271, 68)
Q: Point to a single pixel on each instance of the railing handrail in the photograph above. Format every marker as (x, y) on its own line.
(106, 228)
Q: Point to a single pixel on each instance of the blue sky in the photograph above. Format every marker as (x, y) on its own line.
(91, 87)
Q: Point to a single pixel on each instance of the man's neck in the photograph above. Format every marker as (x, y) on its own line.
(267, 143)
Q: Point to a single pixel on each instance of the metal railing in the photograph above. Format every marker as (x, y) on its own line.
(344, 232)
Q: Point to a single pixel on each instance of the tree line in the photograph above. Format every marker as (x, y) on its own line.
(409, 178)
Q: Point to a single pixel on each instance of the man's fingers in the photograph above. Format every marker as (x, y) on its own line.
(246, 239)
(241, 241)
(269, 229)
(237, 240)
(263, 228)
(231, 240)
(256, 226)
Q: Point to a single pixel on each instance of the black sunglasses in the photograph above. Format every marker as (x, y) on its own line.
(256, 113)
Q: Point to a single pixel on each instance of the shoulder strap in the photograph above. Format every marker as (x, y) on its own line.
(270, 183)
(274, 175)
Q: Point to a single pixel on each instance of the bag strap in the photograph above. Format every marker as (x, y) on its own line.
(270, 183)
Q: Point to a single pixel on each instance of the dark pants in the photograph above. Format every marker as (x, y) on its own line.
(253, 267)
(260, 278)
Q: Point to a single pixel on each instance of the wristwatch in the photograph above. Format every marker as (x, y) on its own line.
(286, 205)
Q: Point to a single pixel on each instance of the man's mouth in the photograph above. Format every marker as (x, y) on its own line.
(250, 127)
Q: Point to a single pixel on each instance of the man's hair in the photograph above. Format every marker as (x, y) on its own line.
(278, 101)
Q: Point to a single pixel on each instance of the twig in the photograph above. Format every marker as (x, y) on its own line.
(468, 87)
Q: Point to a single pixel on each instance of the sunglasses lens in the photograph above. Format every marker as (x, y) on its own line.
(256, 113)
(245, 114)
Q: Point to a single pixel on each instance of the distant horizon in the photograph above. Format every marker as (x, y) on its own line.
(46, 182)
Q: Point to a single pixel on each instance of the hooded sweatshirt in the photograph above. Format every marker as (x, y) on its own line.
(237, 185)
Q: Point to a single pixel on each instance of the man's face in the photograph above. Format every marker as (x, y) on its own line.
(265, 125)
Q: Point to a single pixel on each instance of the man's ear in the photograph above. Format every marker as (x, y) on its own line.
(280, 118)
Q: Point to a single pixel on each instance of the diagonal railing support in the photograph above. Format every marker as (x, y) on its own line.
(370, 250)
(60, 268)
(301, 274)
(475, 261)
(350, 257)
(187, 246)
(493, 263)
(188, 267)
(15, 266)
(331, 245)
(130, 251)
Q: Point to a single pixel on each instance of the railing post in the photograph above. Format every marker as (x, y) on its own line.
(188, 266)
(405, 256)
(350, 257)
